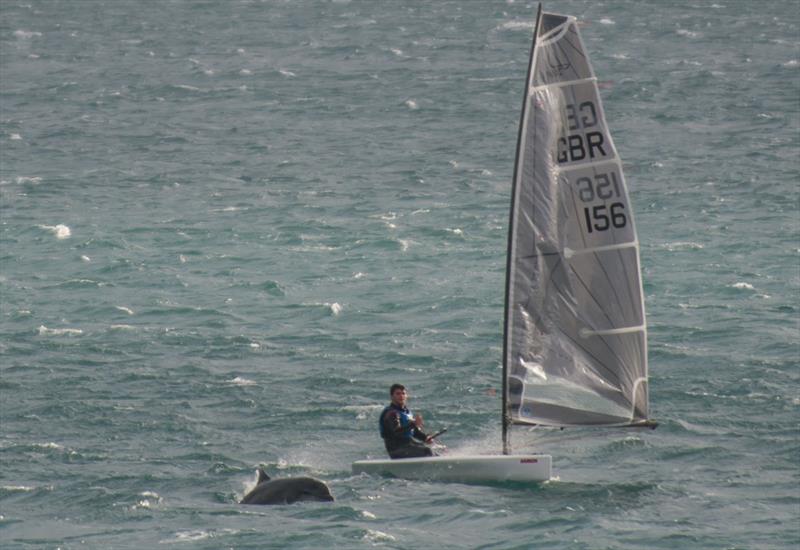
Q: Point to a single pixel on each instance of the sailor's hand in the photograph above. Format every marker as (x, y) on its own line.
(429, 440)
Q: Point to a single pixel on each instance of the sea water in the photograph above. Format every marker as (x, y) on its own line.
(228, 227)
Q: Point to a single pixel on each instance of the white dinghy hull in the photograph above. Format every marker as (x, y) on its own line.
(468, 468)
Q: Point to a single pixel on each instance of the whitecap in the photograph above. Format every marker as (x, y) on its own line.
(742, 286)
(286, 72)
(791, 64)
(359, 275)
(61, 231)
(404, 244)
(14, 137)
(49, 445)
(682, 245)
(188, 536)
(687, 33)
(336, 308)
(25, 35)
(85, 258)
(239, 381)
(397, 51)
(150, 498)
(122, 327)
(363, 411)
(411, 104)
(245, 72)
(378, 536)
(124, 309)
(35, 180)
(18, 488)
(44, 331)
(515, 26)
(607, 21)
(368, 515)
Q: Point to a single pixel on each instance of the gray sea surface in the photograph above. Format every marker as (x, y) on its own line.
(227, 227)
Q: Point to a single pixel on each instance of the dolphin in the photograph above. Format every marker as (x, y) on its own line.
(286, 490)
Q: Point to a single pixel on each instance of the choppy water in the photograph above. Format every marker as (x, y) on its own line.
(227, 227)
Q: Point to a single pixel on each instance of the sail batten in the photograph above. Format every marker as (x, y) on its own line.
(575, 345)
(562, 84)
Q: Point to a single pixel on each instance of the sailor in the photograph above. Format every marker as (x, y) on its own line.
(401, 430)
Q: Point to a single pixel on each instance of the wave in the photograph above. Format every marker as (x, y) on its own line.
(44, 331)
(61, 231)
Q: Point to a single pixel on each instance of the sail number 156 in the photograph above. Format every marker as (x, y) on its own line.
(602, 217)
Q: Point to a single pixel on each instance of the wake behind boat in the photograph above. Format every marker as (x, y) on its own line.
(575, 336)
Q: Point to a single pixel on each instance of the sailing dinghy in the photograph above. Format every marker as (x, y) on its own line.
(575, 337)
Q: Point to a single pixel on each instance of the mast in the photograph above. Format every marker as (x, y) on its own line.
(525, 102)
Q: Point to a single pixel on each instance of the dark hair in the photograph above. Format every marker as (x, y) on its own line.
(396, 387)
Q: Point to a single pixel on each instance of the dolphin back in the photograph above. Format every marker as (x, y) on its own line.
(288, 491)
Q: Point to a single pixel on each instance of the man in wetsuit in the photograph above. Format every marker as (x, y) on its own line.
(400, 430)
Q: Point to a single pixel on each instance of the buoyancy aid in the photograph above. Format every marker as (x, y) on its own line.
(405, 417)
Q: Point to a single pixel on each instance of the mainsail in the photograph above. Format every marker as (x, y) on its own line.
(575, 349)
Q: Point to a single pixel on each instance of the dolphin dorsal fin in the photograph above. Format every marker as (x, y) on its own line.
(262, 476)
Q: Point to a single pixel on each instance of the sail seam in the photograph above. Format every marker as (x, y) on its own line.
(562, 84)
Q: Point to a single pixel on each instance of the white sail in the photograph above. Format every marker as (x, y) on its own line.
(575, 340)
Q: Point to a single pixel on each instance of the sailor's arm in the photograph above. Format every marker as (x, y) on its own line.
(417, 432)
(391, 423)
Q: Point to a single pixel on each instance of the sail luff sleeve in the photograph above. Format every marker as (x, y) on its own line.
(506, 417)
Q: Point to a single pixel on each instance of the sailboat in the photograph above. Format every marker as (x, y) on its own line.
(575, 335)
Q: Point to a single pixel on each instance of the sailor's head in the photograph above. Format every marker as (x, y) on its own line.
(398, 394)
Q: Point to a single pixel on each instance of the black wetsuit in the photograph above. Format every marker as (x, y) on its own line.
(402, 439)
